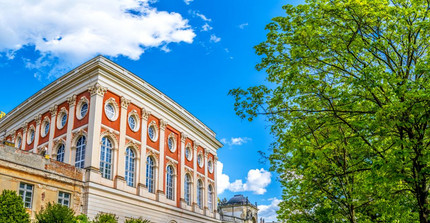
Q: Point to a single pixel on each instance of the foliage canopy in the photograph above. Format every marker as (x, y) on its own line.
(12, 208)
(349, 102)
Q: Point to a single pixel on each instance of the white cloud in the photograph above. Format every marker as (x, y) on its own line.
(243, 25)
(215, 39)
(188, 1)
(206, 27)
(203, 17)
(238, 141)
(268, 212)
(256, 181)
(80, 29)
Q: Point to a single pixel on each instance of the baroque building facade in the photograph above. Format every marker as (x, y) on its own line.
(143, 155)
(238, 209)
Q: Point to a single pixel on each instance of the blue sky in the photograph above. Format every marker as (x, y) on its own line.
(193, 51)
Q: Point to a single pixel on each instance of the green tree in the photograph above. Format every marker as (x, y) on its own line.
(54, 212)
(12, 208)
(105, 218)
(82, 218)
(348, 98)
(137, 220)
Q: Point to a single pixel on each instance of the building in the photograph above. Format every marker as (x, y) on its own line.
(40, 180)
(142, 154)
(238, 209)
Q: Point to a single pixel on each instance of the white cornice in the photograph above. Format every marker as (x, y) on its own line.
(91, 72)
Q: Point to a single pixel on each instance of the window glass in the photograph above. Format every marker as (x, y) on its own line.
(150, 174)
(129, 167)
(46, 129)
(187, 189)
(60, 153)
(80, 152)
(132, 122)
(63, 119)
(169, 182)
(200, 160)
(210, 198)
(31, 135)
(64, 198)
(171, 144)
(110, 111)
(84, 109)
(151, 132)
(26, 193)
(200, 194)
(106, 158)
(188, 153)
(19, 142)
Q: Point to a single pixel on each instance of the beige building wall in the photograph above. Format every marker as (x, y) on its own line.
(47, 177)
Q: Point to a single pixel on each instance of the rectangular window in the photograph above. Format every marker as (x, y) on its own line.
(26, 192)
(64, 198)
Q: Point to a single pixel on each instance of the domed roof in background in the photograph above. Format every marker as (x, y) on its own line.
(238, 199)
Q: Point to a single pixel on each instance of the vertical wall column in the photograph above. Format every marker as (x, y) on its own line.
(92, 152)
(142, 175)
(70, 123)
(52, 125)
(120, 173)
(161, 168)
(195, 184)
(24, 136)
(205, 190)
(214, 188)
(182, 166)
(36, 135)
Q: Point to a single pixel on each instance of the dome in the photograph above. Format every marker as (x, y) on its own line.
(238, 199)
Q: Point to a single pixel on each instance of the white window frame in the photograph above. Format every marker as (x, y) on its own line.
(62, 198)
(25, 193)
(106, 158)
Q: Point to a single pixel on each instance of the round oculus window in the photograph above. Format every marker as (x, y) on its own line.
(110, 111)
(188, 153)
(31, 134)
(63, 120)
(171, 144)
(210, 166)
(200, 160)
(45, 128)
(132, 123)
(84, 109)
(152, 133)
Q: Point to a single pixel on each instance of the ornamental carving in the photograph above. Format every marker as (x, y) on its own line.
(183, 137)
(145, 114)
(72, 100)
(24, 127)
(163, 125)
(53, 110)
(97, 89)
(38, 119)
(124, 102)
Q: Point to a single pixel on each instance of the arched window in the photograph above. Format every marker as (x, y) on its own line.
(169, 183)
(210, 198)
(60, 153)
(200, 194)
(80, 152)
(129, 166)
(106, 158)
(150, 176)
(187, 189)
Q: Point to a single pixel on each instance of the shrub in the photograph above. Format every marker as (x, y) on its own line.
(12, 208)
(105, 218)
(82, 218)
(137, 220)
(56, 213)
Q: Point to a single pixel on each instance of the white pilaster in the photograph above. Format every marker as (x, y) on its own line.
(120, 173)
(52, 125)
(205, 183)
(92, 152)
(37, 133)
(195, 184)
(142, 173)
(24, 136)
(161, 168)
(182, 180)
(215, 195)
(70, 123)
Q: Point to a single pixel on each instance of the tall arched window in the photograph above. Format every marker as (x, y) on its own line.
(169, 183)
(130, 167)
(150, 176)
(60, 153)
(80, 152)
(187, 189)
(106, 158)
(200, 194)
(210, 198)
